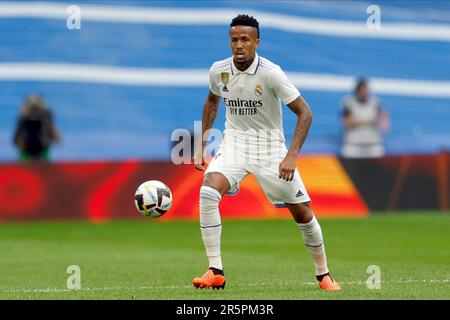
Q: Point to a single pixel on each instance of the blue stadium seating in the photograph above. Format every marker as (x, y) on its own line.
(100, 121)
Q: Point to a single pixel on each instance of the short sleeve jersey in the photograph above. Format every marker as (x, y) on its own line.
(252, 97)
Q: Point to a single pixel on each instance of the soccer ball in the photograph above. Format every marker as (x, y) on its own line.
(153, 198)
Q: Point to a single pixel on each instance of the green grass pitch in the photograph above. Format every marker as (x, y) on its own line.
(150, 259)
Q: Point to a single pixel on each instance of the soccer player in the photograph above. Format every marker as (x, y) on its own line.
(251, 88)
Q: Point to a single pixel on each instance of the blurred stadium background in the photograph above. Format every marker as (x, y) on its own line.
(137, 70)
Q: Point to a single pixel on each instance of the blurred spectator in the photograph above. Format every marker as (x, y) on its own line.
(35, 131)
(364, 123)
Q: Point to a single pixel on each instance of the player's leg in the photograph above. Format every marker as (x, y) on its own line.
(293, 194)
(223, 175)
(214, 186)
(313, 239)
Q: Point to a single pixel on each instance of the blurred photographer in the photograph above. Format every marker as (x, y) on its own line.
(35, 131)
(364, 123)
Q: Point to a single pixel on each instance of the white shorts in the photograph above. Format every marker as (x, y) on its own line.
(278, 191)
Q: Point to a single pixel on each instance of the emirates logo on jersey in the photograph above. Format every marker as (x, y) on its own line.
(258, 90)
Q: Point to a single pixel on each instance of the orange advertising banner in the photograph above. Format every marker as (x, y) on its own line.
(101, 191)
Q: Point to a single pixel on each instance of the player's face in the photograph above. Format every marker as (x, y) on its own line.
(363, 93)
(244, 41)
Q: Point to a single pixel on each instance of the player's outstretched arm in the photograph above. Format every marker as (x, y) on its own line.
(304, 119)
(209, 113)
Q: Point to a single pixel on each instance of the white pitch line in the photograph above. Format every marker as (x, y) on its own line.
(308, 283)
(189, 78)
(53, 290)
(222, 16)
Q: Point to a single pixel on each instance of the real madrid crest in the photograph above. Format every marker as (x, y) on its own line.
(225, 77)
(258, 90)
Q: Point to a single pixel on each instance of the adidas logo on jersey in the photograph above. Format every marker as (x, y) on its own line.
(299, 194)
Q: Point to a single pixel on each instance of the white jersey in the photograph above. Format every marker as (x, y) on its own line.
(252, 99)
(253, 138)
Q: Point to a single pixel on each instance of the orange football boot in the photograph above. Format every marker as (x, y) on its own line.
(210, 280)
(328, 283)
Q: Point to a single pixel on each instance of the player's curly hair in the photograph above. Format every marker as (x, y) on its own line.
(245, 20)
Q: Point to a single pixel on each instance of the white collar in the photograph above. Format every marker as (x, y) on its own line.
(250, 70)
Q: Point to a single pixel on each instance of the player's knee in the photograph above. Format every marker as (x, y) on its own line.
(208, 180)
(301, 212)
(216, 181)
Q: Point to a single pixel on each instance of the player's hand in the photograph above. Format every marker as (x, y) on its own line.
(287, 168)
(199, 160)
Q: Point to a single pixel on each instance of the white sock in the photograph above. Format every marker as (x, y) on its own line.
(210, 225)
(312, 236)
